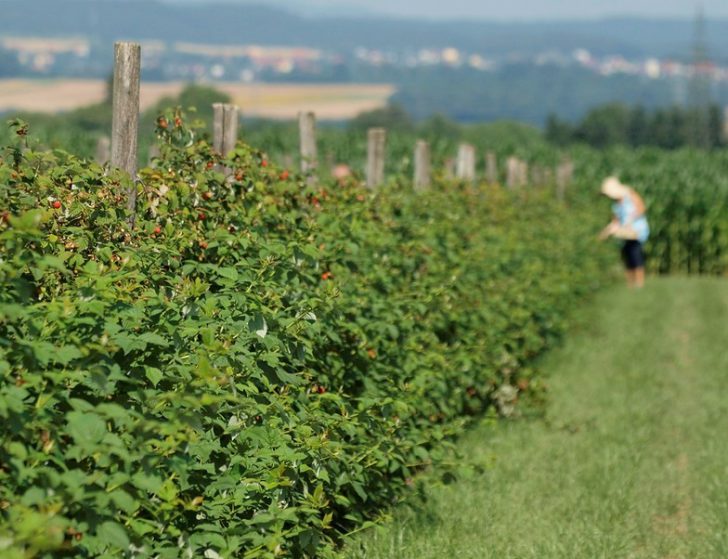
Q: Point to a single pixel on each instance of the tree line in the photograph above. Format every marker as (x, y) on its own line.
(618, 124)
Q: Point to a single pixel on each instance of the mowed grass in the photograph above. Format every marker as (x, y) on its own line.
(631, 460)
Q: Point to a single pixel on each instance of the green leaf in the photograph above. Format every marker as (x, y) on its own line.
(113, 534)
(154, 375)
(228, 273)
(85, 428)
(258, 326)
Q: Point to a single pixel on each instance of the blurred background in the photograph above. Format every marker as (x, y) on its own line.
(637, 72)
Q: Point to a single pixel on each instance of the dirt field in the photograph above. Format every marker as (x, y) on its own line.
(281, 101)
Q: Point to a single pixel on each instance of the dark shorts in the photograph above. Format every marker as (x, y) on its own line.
(633, 255)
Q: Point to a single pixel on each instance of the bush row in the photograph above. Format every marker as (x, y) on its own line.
(258, 365)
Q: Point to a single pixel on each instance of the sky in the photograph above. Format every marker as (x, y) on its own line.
(511, 9)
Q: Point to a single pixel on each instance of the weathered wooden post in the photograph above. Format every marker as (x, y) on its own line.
(103, 150)
(465, 168)
(491, 168)
(512, 172)
(125, 116)
(224, 131)
(423, 166)
(377, 139)
(309, 151)
(564, 176)
(218, 126)
(230, 135)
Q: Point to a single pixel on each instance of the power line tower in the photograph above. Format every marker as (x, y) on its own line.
(699, 90)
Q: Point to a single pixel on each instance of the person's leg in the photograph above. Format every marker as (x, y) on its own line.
(639, 277)
(627, 268)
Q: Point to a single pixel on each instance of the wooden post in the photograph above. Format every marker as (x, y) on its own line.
(466, 163)
(377, 138)
(230, 128)
(512, 172)
(491, 168)
(125, 116)
(564, 176)
(224, 131)
(423, 166)
(218, 126)
(309, 150)
(103, 150)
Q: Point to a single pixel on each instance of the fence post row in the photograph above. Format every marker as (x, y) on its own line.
(309, 150)
(465, 168)
(377, 138)
(125, 119)
(423, 166)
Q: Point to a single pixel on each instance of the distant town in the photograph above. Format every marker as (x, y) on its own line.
(79, 57)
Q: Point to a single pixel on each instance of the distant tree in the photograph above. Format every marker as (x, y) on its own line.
(605, 126)
(439, 126)
(558, 131)
(715, 126)
(638, 128)
(392, 117)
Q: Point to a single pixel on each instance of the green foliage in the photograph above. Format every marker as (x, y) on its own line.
(392, 117)
(259, 366)
(617, 124)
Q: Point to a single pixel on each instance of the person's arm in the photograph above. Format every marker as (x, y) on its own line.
(609, 230)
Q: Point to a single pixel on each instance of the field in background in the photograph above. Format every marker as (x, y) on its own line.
(281, 101)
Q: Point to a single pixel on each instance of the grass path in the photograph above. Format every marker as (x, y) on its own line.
(631, 461)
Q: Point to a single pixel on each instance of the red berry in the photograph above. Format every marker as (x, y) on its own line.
(322, 390)
(157, 230)
(210, 165)
(327, 276)
(201, 216)
(177, 121)
(56, 204)
(239, 176)
(203, 245)
(162, 122)
(264, 163)
(285, 175)
(207, 195)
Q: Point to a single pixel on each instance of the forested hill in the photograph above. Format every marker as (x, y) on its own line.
(235, 23)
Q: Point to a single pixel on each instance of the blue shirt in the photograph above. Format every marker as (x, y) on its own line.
(625, 211)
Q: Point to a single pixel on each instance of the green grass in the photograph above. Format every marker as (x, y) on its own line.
(631, 460)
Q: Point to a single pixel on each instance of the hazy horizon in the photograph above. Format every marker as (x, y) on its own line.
(516, 10)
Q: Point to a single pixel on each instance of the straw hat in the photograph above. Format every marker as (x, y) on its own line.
(612, 188)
